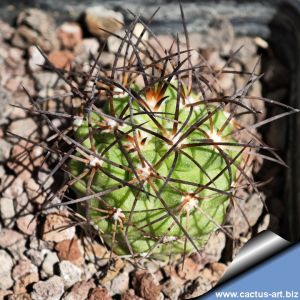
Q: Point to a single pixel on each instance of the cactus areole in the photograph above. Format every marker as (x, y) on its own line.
(160, 168)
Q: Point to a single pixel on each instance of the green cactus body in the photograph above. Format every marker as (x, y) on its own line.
(151, 226)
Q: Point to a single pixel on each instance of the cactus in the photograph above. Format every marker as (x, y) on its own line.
(153, 152)
(161, 162)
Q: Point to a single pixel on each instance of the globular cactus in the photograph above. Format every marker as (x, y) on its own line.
(160, 177)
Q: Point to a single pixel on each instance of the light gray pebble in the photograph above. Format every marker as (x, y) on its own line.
(22, 127)
(120, 284)
(38, 244)
(5, 148)
(69, 272)
(18, 249)
(50, 260)
(15, 188)
(45, 79)
(9, 237)
(7, 212)
(51, 289)
(36, 256)
(89, 270)
(36, 59)
(6, 264)
(27, 224)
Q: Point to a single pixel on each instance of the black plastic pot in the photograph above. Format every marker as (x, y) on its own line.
(277, 21)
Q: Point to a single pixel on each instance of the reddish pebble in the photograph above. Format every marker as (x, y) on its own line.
(61, 59)
(69, 34)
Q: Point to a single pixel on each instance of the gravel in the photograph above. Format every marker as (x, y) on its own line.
(51, 289)
(54, 225)
(9, 237)
(35, 27)
(7, 212)
(80, 290)
(5, 148)
(27, 224)
(36, 59)
(69, 272)
(24, 274)
(99, 17)
(120, 284)
(47, 268)
(6, 264)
